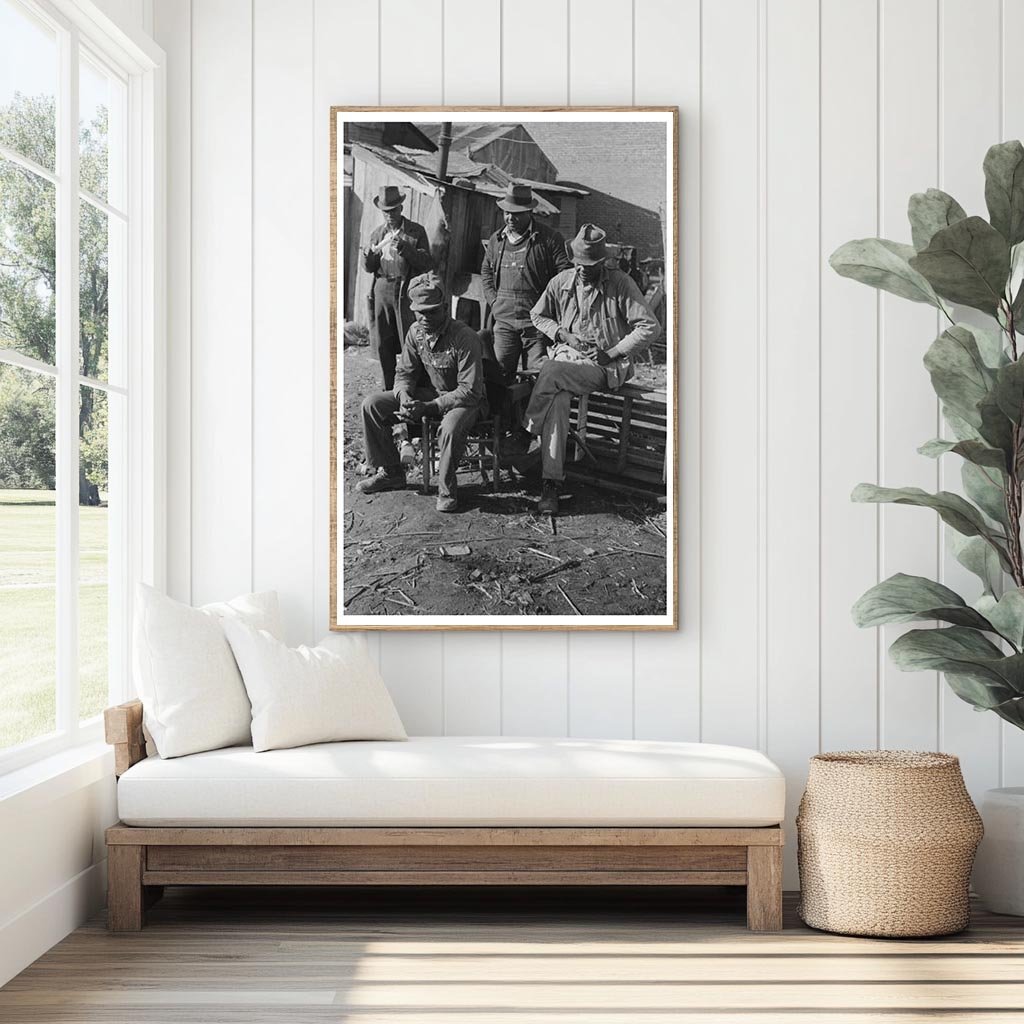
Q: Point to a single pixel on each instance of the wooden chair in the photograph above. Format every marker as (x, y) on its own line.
(483, 450)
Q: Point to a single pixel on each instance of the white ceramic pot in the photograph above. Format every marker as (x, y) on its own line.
(999, 866)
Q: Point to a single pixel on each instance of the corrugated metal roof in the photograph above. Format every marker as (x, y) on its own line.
(418, 170)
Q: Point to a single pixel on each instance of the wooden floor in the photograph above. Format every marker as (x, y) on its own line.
(486, 957)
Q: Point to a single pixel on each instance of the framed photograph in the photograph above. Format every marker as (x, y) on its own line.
(504, 398)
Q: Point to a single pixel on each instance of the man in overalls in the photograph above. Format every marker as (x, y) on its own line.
(519, 261)
(597, 321)
(398, 250)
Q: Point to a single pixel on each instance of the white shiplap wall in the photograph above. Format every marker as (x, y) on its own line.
(804, 123)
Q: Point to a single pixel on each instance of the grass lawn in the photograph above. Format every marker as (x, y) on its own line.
(28, 614)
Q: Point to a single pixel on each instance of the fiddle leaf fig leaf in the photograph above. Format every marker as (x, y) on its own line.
(962, 430)
(980, 692)
(903, 598)
(967, 263)
(990, 345)
(1004, 189)
(1009, 390)
(929, 212)
(977, 556)
(952, 509)
(1013, 285)
(1006, 614)
(984, 486)
(958, 371)
(973, 451)
(883, 264)
(964, 652)
(996, 428)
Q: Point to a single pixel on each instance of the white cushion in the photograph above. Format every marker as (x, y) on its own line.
(309, 694)
(191, 691)
(458, 780)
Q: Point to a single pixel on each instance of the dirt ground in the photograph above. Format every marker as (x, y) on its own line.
(605, 554)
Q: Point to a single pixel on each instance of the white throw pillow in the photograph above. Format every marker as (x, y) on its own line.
(192, 693)
(309, 694)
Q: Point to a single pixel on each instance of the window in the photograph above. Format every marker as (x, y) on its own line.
(75, 116)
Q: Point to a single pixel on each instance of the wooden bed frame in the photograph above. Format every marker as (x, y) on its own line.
(142, 860)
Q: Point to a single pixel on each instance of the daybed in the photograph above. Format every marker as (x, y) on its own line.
(444, 811)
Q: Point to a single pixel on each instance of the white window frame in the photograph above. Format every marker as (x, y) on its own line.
(140, 63)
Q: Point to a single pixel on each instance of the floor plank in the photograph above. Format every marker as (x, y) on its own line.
(496, 956)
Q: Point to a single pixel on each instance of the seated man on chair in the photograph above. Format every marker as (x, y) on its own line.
(597, 321)
(438, 375)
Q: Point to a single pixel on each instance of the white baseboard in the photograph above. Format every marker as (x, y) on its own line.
(28, 936)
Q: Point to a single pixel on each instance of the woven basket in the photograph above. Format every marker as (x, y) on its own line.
(886, 840)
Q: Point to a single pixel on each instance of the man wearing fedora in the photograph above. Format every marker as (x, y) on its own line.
(398, 250)
(597, 321)
(440, 375)
(519, 261)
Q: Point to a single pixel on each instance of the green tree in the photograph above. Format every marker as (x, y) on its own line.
(26, 430)
(28, 274)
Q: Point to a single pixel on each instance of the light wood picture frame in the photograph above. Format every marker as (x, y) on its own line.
(608, 559)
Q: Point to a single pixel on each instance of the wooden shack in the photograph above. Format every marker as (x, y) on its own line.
(459, 216)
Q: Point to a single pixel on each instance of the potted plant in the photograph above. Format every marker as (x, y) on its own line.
(978, 374)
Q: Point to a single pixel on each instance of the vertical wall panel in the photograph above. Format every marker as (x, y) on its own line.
(535, 684)
(411, 59)
(472, 52)
(909, 414)
(414, 672)
(969, 124)
(472, 74)
(173, 30)
(472, 684)
(729, 497)
(413, 663)
(283, 309)
(1012, 127)
(601, 667)
(601, 685)
(349, 29)
(849, 372)
(792, 385)
(534, 62)
(221, 371)
(600, 52)
(535, 673)
(666, 669)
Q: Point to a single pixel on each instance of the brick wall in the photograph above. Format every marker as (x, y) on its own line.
(626, 223)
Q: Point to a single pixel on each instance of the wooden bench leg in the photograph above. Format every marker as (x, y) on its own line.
(764, 888)
(125, 896)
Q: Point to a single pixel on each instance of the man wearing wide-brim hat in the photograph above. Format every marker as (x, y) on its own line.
(519, 260)
(440, 375)
(597, 322)
(398, 250)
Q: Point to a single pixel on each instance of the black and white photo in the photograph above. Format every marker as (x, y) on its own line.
(504, 350)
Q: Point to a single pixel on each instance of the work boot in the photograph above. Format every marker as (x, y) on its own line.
(384, 479)
(518, 442)
(447, 503)
(548, 504)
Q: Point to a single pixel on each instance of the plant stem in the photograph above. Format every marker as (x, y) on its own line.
(1012, 496)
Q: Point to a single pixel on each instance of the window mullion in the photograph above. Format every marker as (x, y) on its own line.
(67, 386)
